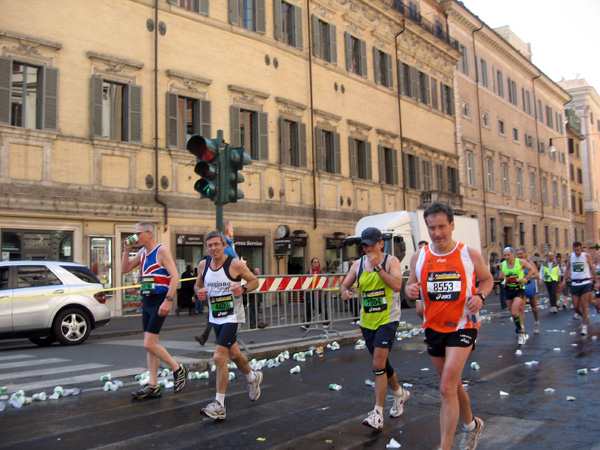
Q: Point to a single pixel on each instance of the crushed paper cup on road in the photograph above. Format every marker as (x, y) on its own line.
(503, 394)
(393, 444)
(556, 349)
(407, 385)
(518, 352)
(549, 391)
(595, 369)
(570, 398)
(424, 369)
(531, 363)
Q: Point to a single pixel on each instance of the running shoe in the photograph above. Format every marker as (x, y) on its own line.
(583, 330)
(146, 392)
(179, 377)
(399, 401)
(536, 329)
(521, 339)
(214, 410)
(576, 316)
(374, 419)
(201, 339)
(469, 439)
(254, 387)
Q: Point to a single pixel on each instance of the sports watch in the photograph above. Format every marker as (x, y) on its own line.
(377, 268)
(481, 296)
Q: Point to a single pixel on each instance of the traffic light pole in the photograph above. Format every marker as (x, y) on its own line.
(221, 187)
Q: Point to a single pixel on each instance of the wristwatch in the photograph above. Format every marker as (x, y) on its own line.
(168, 297)
(377, 268)
(481, 296)
(245, 288)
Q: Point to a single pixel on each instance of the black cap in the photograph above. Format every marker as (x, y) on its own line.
(370, 236)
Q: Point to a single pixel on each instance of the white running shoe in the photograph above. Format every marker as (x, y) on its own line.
(254, 387)
(576, 316)
(536, 330)
(399, 401)
(521, 339)
(374, 419)
(214, 410)
(469, 439)
(583, 330)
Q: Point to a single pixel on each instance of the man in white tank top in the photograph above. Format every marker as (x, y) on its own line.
(580, 270)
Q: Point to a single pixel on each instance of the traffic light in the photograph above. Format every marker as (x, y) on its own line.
(234, 161)
(206, 152)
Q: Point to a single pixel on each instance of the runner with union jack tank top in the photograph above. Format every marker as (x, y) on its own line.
(445, 275)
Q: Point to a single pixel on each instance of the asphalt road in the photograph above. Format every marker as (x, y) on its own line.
(299, 411)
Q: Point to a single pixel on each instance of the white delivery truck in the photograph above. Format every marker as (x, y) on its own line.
(402, 231)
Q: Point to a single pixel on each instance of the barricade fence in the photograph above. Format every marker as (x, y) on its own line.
(309, 301)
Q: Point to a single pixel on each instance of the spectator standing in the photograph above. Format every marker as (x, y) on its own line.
(186, 293)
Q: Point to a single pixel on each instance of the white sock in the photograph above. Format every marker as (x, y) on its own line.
(471, 426)
(399, 392)
(220, 398)
(379, 409)
(251, 376)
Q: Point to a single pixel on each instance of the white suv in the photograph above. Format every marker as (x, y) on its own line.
(47, 301)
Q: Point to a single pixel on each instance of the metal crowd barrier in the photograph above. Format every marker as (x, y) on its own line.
(309, 301)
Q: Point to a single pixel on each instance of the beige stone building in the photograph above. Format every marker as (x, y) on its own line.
(576, 170)
(586, 105)
(331, 98)
(507, 112)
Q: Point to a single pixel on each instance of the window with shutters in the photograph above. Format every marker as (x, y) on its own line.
(493, 230)
(453, 183)
(249, 129)
(292, 143)
(489, 174)
(505, 179)
(288, 23)
(382, 63)
(519, 176)
(360, 159)
(324, 40)
(116, 110)
(356, 55)
(463, 63)
(439, 177)
(544, 190)
(549, 117)
(565, 198)
(328, 151)
(426, 165)
(555, 194)
(499, 85)
(470, 162)
(28, 95)
(411, 171)
(512, 92)
(540, 111)
(249, 14)
(447, 99)
(483, 73)
(424, 93)
(186, 117)
(388, 165)
(199, 6)
(533, 186)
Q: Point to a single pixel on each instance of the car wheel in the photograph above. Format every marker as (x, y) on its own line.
(71, 326)
(45, 341)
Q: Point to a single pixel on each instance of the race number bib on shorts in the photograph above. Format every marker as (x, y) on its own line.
(443, 286)
(221, 306)
(374, 301)
(148, 286)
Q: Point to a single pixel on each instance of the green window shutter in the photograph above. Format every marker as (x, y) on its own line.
(49, 109)
(301, 144)
(332, 44)
(263, 136)
(261, 19)
(298, 27)
(390, 71)
(235, 127)
(451, 100)
(203, 7)
(381, 161)
(363, 58)
(234, 14)
(282, 141)
(205, 120)
(417, 173)
(401, 77)
(426, 93)
(434, 93)
(319, 149)
(369, 161)
(395, 167)
(337, 151)
(348, 47)
(352, 153)
(376, 65)
(134, 110)
(277, 19)
(172, 138)
(405, 177)
(5, 90)
(316, 36)
(414, 79)
(444, 97)
(96, 106)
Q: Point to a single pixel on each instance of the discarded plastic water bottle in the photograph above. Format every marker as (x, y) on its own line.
(17, 399)
(27, 400)
(106, 377)
(108, 386)
(335, 387)
(231, 376)
(474, 317)
(59, 391)
(333, 346)
(295, 369)
(309, 352)
(73, 391)
(203, 375)
(3, 392)
(582, 372)
(144, 381)
(164, 372)
(39, 397)
(2, 406)
(232, 365)
(475, 366)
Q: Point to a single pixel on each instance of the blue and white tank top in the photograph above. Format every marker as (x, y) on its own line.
(155, 278)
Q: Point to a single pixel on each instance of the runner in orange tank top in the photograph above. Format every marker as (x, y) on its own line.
(444, 274)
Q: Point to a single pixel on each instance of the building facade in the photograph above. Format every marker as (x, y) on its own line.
(507, 112)
(347, 109)
(585, 104)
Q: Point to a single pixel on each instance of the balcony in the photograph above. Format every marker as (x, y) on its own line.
(448, 198)
(412, 14)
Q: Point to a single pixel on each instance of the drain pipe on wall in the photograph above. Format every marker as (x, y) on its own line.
(400, 112)
(312, 116)
(537, 140)
(485, 215)
(156, 197)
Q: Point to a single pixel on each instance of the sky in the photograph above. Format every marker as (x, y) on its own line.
(564, 36)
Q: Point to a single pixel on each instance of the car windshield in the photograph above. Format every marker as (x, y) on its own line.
(83, 273)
